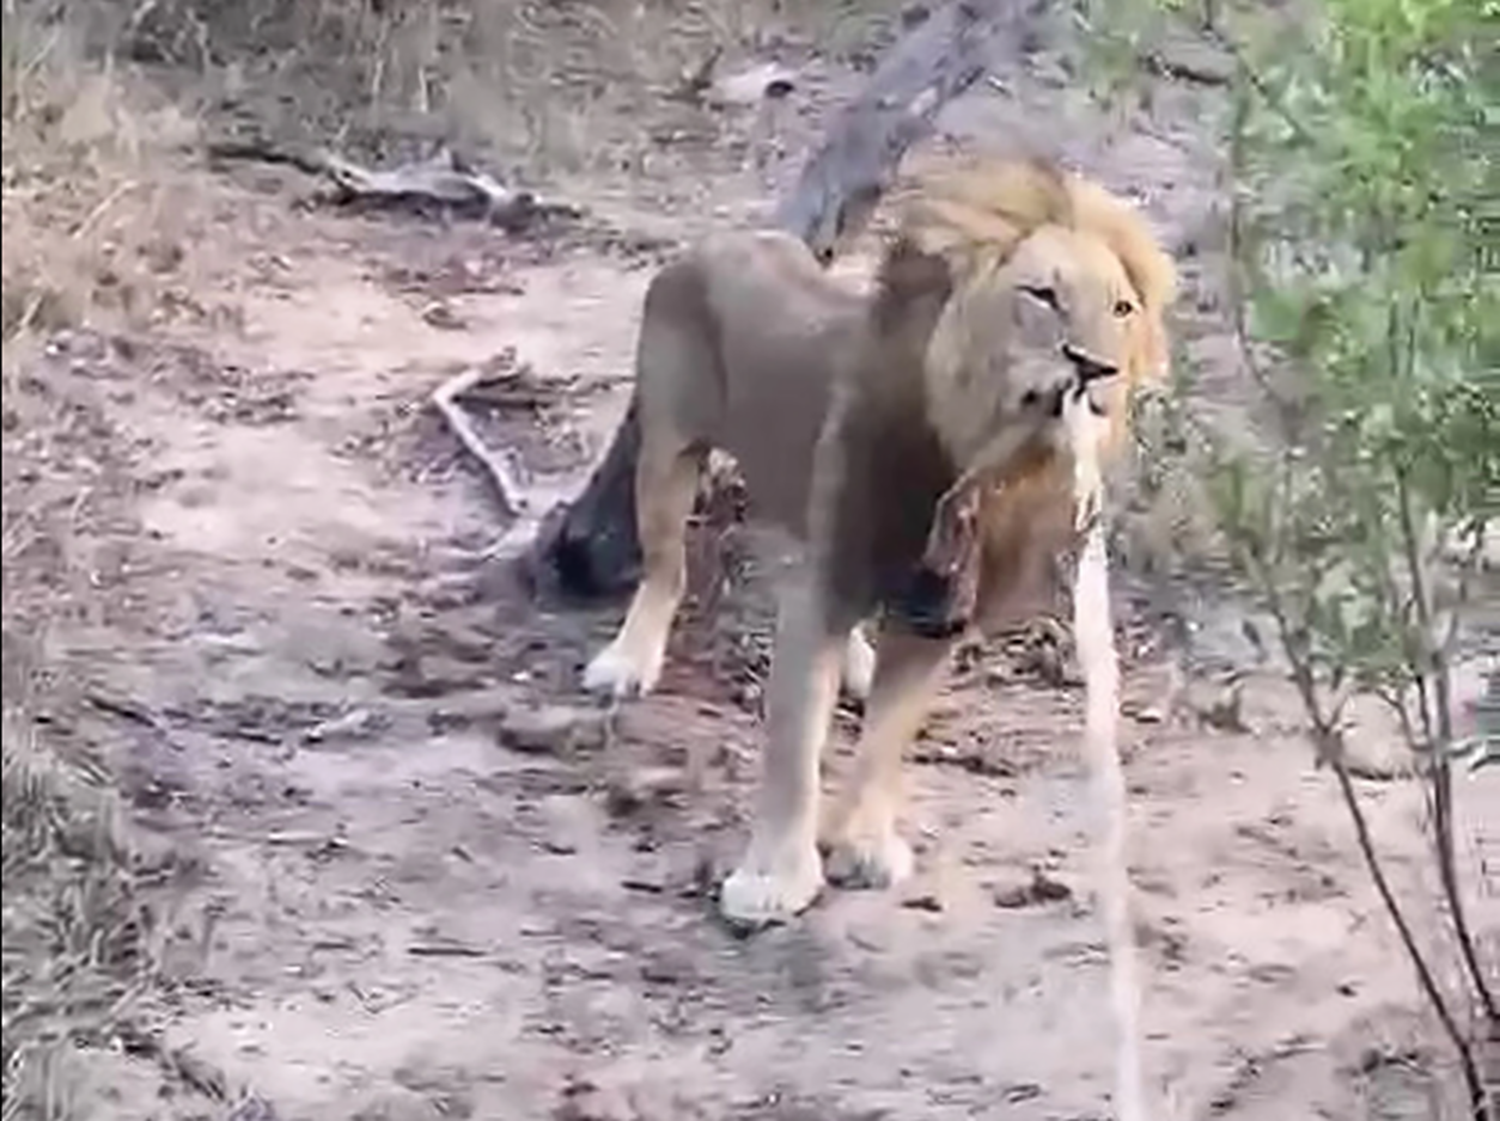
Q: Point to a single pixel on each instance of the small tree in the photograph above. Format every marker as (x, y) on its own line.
(1364, 236)
(1365, 295)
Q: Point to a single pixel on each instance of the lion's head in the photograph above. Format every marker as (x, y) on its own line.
(1048, 285)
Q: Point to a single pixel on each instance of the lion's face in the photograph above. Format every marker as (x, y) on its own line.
(1057, 316)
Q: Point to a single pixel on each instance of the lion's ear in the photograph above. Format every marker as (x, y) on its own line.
(1154, 278)
(910, 272)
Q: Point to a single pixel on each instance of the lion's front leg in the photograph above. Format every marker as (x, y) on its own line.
(782, 873)
(864, 849)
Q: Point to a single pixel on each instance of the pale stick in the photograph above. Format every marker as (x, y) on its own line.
(445, 399)
(1094, 635)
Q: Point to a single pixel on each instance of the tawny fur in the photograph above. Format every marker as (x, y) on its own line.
(851, 418)
(739, 346)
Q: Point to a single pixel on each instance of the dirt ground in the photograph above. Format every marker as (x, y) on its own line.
(408, 896)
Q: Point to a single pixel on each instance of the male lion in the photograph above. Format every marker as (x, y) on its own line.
(865, 424)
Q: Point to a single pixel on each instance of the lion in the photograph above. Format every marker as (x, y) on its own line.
(739, 344)
(910, 439)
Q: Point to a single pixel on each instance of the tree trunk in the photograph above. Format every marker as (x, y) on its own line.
(588, 548)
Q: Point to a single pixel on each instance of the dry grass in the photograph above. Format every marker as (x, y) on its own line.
(75, 939)
(98, 102)
(81, 141)
(543, 88)
(74, 930)
(75, 252)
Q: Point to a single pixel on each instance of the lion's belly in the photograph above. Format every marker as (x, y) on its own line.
(778, 390)
(772, 436)
(780, 327)
(1024, 535)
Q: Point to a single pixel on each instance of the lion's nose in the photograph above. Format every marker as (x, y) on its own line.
(1090, 369)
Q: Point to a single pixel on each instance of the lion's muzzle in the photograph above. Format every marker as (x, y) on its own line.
(1088, 369)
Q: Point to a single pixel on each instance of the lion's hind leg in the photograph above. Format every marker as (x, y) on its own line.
(666, 485)
(863, 847)
(858, 669)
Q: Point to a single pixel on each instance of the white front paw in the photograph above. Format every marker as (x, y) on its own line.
(618, 671)
(762, 892)
(869, 857)
(859, 666)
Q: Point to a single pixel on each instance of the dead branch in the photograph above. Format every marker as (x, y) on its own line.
(507, 486)
(934, 63)
(696, 82)
(444, 181)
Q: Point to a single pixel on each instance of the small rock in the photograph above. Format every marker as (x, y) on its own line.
(441, 315)
(1041, 888)
(428, 676)
(764, 81)
(582, 1100)
(632, 791)
(553, 730)
(252, 1108)
(355, 724)
(1146, 714)
(923, 901)
(1223, 710)
(667, 968)
(1018, 1092)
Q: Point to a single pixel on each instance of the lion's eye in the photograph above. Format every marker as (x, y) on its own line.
(1042, 293)
(1123, 308)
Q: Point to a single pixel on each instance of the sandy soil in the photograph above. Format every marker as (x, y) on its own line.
(413, 900)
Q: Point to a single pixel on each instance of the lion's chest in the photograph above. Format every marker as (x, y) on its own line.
(1026, 527)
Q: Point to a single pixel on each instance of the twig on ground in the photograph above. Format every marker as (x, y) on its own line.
(178, 1063)
(94, 215)
(507, 486)
(696, 82)
(128, 709)
(445, 950)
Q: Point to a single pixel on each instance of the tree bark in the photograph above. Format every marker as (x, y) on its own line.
(588, 548)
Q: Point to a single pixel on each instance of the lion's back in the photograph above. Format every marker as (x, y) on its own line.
(780, 328)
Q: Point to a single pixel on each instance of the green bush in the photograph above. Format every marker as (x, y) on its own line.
(1365, 239)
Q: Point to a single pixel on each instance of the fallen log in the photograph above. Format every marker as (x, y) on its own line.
(588, 548)
(443, 182)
